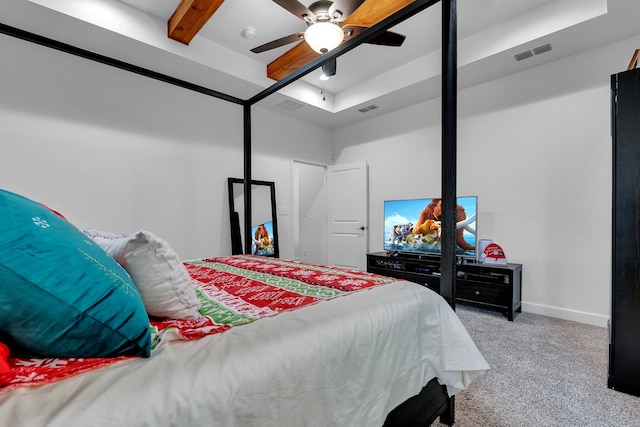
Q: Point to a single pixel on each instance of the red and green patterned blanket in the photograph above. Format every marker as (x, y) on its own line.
(233, 290)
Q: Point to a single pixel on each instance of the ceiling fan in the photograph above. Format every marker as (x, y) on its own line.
(329, 23)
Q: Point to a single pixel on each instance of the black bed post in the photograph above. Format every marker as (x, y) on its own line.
(449, 124)
(449, 113)
(247, 177)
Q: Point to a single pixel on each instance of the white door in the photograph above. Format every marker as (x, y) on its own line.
(347, 192)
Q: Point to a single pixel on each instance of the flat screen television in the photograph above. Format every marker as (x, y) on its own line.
(263, 239)
(413, 226)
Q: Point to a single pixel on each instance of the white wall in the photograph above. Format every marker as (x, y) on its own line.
(536, 148)
(116, 151)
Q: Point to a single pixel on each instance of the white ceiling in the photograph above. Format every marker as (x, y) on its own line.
(490, 33)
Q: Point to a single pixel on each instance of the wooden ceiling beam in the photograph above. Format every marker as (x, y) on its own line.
(375, 11)
(189, 18)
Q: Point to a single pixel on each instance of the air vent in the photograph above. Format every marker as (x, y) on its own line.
(367, 108)
(523, 55)
(289, 105)
(535, 51)
(542, 49)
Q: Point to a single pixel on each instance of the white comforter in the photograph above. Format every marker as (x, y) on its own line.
(343, 362)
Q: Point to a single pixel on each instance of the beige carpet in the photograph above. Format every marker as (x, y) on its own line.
(545, 372)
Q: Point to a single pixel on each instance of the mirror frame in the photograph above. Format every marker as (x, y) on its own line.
(236, 235)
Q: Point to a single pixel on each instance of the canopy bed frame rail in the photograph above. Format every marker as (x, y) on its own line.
(87, 54)
(428, 404)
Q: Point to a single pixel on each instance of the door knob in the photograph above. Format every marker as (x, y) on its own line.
(363, 228)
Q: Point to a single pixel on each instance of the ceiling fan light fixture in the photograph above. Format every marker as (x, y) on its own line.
(323, 36)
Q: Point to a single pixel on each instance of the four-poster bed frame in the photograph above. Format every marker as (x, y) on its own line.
(449, 110)
(448, 162)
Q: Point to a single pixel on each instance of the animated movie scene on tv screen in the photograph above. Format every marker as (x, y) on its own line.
(414, 225)
(263, 239)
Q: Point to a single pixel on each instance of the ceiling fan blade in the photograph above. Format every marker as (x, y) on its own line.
(388, 38)
(346, 8)
(298, 9)
(373, 11)
(293, 59)
(278, 43)
(329, 69)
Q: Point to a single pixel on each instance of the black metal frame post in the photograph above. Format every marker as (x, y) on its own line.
(449, 124)
(247, 177)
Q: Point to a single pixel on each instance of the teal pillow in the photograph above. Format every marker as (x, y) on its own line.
(61, 295)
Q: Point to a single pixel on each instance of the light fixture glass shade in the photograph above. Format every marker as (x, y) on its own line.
(323, 36)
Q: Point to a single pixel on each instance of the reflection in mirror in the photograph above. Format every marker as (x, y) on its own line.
(264, 226)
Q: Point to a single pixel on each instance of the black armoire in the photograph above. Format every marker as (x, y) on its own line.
(624, 344)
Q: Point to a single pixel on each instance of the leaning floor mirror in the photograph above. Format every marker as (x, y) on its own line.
(264, 224)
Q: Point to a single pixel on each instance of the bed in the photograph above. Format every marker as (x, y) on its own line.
(274, 343)
(347, 361)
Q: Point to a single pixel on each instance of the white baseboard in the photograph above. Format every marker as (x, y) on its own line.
(566, 314)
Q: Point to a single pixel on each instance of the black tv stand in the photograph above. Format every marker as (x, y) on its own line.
(496, 287)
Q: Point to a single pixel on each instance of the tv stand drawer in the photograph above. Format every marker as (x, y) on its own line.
(482, 293)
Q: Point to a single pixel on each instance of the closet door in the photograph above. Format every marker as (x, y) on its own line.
(624, 349)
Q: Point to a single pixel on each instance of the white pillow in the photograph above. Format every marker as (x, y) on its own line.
(161, 277)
